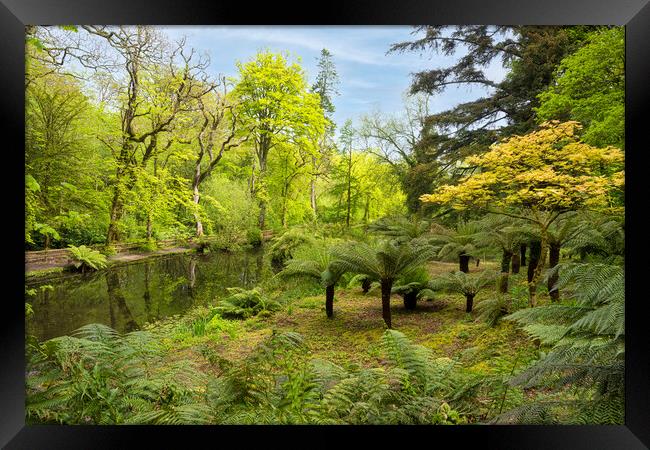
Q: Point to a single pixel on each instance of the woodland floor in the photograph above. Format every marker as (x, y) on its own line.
(352, 337)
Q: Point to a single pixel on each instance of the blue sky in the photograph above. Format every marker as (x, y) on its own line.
(369, 78)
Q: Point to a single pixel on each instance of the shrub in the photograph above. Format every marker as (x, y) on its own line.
(284, 246)
(202, 244)
(244, 303)
(98, 376)
(148, 245)
(254, 237)
(586, 334)
(84, 258)
(491, 310)
(462, 283)
(108, 250)
(413, 286)
(76, 228)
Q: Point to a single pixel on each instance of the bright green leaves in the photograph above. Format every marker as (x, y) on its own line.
(589, 87)
(274, 98)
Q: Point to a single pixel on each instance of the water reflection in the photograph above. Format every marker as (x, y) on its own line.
(127, 297)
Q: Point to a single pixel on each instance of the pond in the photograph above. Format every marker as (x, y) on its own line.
(128, 296)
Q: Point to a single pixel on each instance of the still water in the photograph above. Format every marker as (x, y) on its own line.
(128, 296)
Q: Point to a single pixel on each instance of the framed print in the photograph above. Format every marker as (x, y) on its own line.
(250, 221)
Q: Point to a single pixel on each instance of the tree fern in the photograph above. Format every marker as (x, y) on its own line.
(315, 262)
(588, 343)
(400, 229)
(462, 283)
(385, 262)
(412, 285)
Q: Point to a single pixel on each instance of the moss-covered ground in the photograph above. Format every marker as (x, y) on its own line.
(352, 336)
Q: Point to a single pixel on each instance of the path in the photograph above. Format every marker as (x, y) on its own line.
(118, 258)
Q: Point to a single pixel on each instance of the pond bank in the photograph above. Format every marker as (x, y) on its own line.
(58, 261)
(50, 262)
(128, 294)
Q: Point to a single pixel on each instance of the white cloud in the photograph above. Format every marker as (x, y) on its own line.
(361, 83)
(351, 45)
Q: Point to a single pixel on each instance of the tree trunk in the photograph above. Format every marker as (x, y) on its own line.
(537, 272)
(506, 256)
(347, 218)
(463, 262)
(262, 217)
(262, 155)
(149, 227)
(503, 283)
(410, 300)
(196, 197)
(116, 297)
(365, 285)
(283, 214)
(115, 215)
(478, 261)
(386, 286)
(329, 301)
(534, 252)
(312, 190)
(553, 260)
(469, 302)
(516, 262)
(312, 197)
(366, 210)
(522, 251)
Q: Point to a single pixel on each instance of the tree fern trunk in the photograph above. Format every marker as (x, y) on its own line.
(410, 300)
(469, 302)
(365, 285)
(329, 301)
(553, 260)
(516, 263)
(386, 286)
(522, 251)
(506, 256)
(535, 247)
(463, 262)
(539, 267)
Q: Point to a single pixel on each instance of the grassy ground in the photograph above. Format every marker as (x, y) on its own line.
(352, 336)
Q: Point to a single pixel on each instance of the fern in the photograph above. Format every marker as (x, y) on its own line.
(284, 246)
(84, 258)
(588, 346)
(98, 376)
(278, 383)
(243, 303)
(462, 283)
(400, 229)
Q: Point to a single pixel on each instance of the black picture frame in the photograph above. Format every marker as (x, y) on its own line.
(635, 14)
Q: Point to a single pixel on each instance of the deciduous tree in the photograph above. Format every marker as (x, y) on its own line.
(547, 173)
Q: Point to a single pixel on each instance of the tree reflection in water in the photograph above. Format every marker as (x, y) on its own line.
(126, 297)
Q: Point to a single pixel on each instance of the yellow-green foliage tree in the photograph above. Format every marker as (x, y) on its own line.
(275, 102)
(540, 175)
